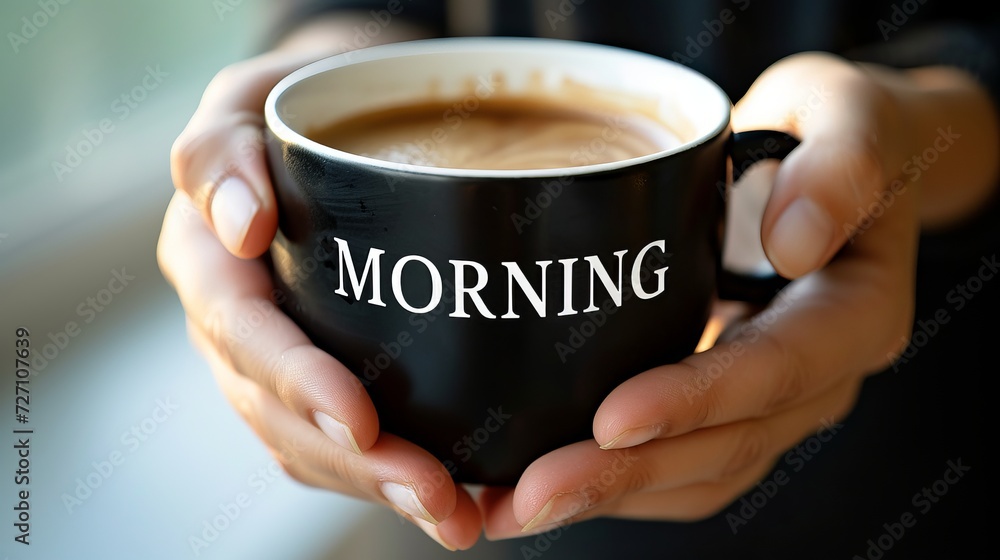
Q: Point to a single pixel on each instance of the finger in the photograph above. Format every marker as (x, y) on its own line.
(846, 162)
(459, 531)
(581, 481)
(695, 502)
(687, 503)
(393, 472)
(219, 160)
(229, 300)
(816, 331)
(766, 368)
(497, 507)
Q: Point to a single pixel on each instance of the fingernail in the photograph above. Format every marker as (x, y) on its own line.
(559, 508)
(433, 532)
(405, 498)
(337, 431)
(634, 436)
(233, 209)
(800, 238)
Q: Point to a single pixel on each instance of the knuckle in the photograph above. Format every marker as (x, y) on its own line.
(286, 373)
(229, 76)
(748, 451)
(208, 151)
(789, 375)
(700, 399)
(187, 154)
(868, 162)
(235, 325)
(864, 170)
(709, 409)
(719, 496)
(292, 467)
(283, 381)
(592, 493)
(430, 484)
(337, 463)
(164, 255)
(220, 327)
(281, 385)
(640, 477)
(182, 153)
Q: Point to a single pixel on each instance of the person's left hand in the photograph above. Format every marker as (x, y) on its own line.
(683, 441)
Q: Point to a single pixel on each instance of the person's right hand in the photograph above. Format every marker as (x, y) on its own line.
(312, 413)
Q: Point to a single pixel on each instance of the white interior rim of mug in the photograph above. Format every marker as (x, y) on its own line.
(609, 68)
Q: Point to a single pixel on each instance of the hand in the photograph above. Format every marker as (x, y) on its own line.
(683, 441)
(312, 413)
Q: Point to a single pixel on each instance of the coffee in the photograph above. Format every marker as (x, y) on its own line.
(508, 133)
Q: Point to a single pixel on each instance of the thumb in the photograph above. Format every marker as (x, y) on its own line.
(837, 176)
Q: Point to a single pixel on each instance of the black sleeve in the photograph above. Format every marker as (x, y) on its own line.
(290, 14)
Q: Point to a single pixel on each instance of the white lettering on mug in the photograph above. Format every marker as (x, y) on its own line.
(467, 292)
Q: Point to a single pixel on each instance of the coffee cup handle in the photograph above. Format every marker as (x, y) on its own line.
(746, 149)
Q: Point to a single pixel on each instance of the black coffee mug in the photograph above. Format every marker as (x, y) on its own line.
(488, 313)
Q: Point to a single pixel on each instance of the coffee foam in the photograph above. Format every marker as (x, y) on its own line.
(489, 124)
(502, 133)
(558, 89)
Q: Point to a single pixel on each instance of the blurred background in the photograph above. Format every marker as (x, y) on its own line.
(134, 451)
